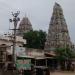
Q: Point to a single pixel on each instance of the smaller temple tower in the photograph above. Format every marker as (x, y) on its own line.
(24, 26)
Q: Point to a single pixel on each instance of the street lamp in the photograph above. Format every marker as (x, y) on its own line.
(15, 21)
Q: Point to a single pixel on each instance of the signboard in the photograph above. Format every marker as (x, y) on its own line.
(20, 51)
(23, 64)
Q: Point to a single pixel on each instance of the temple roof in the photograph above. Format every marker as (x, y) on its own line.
(25, 21)
(24, 26)
(58, 35)
(57, 6)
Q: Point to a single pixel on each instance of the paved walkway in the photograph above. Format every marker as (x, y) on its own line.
(62, 73)
(7, 73)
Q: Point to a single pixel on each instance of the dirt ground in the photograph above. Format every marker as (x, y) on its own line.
(62, 73)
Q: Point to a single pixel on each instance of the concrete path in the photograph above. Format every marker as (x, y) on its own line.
(62, 73)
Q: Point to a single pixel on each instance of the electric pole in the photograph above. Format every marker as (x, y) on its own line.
(15, 22)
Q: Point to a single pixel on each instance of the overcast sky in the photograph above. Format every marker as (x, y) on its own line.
(39, 13)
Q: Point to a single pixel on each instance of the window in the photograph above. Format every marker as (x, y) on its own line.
(57, 36)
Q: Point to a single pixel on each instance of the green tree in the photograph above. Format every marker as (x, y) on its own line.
(35, 39)
(65, 55)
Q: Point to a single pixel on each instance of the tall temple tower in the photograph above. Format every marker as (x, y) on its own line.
(24, 26)
(58, 35)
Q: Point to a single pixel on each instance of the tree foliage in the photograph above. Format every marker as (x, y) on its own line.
(35, 39)
(65, 53)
